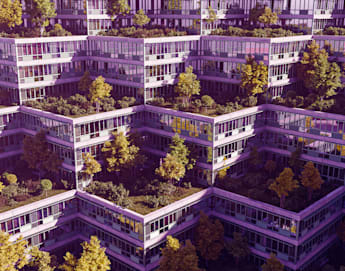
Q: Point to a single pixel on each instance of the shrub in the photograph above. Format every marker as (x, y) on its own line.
(10, 191)
(166, 189)
(21, 197)
(58, 30)
(9, 178)
(207, 101)
(46, 185)
(152, 201)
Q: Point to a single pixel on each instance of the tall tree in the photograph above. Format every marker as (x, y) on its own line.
(99, 89)
(85, 82)
(318, 74)
(171, 169)
(91, 166)
(295, 161)
(177, 257)
(40, 12)
(209, 238)
(268, 17)
(181, 152)
(188, 84)
(38, 155)
(13, 255)
(238, 247)
(10, 13)
(119, 153)
(140, 18)
(254, 77)
(284, 184)
(272, 264)
(311, 178)
(92, 258)
(255, 13)
(41, 260)
(212, 15)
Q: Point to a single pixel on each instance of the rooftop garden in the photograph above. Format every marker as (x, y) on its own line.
(293, 188)
(134, 182)
(22, 32)
(332, 30)
(97, 100)
(152, 32)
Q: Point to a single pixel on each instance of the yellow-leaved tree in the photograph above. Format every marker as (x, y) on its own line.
(10, 13)
(91, 166)
(188, 84)
(254, 77)
(92, 258)
(140, 18)
(171, 169)
(311, 178)
(13, 255)
(272, 264)
(284, 184)
(99, 89)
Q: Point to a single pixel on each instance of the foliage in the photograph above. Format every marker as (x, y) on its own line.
(133, 32)
(178, 258)
(270, 166)
(212, 15)
(10, 191)
(85, 82)
(98, 91)
(268, 17)
(118, 8)
(91, 166)
(9, 178)
(238, 247)
(140, 18)
(295, 161)
(209, 238)
(38, 155)
(41, 260)
(107, 190)
(58, 31)
(256, 12)
(171, 169)
(284, 184)
(92, 258)
(257, 32)
(1, 186)
(120, 153)
(188, 84)
(332, 30)
(272, 264)
(10, 13)
(318, 74)
(311, 178)
(13, 255)
(40, 12)
(46, 185)
(207, 101)
(254, 77)
(181, 152)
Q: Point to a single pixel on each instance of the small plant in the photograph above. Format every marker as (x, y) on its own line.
(46, 185)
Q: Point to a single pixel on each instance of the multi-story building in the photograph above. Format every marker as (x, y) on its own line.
(146, 68)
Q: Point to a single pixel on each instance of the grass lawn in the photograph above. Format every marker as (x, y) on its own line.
(32, 199)
(140, 206)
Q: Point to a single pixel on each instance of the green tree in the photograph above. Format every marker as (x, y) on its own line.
(209, 238)
(272, 264)
(284, 184)
(41, 260)
(38, 155)
(85, 82)
(238, 247)
(46, 185)
(318, 74)
(268, 17)
(171, 169)
(207, 101)
(99, 90)
(140, 18)
(118, 8)
(188, 84)
(40, 12)
(311, 178)
(119, 153)
(13, 255)
(58, 31)
(176, 257)
(10, 13)
(178, 149)
(92, 258)
(254, 77)
(91, 166)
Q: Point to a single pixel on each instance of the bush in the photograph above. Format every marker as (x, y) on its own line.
(152, 201)
(58, 30)
(165, 189)
(134, 32)
(21, 197)
(10, 191)
(9, 178)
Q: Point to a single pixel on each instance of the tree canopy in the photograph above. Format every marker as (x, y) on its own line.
(310, 178)
(140, 18)
(188, 84)
(118, 8)
(284, 184)
(91, 166)
(99, 89)
(319, 75)
(85, 82)
(10, 13)
(272, 264)
(254, 77)
(238, 247)
(40, 12)
(268, 17)
(171, 169)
